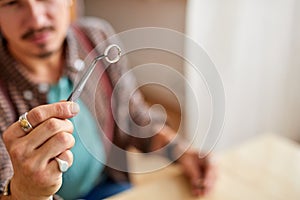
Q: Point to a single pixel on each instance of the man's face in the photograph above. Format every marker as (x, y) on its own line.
(34, 27)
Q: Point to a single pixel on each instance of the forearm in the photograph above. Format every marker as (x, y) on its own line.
(169, 143)
(164, 137)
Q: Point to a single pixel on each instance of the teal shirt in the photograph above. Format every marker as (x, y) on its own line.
(88, 150)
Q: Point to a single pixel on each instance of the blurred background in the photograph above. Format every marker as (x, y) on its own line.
(253, 43)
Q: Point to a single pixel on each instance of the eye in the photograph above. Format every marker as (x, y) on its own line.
(10, 3)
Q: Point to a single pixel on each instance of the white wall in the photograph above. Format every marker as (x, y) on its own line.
(255, 45)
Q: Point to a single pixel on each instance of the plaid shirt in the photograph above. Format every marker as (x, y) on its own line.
(19, 94)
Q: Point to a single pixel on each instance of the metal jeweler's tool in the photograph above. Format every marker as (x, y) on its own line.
(79, 87)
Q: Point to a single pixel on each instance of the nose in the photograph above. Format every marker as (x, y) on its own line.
(36, 15)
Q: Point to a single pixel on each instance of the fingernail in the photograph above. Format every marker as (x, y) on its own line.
(74, 108)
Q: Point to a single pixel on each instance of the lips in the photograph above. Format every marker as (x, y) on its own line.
(40, 37)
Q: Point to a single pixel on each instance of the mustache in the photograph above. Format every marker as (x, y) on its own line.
(31, 32)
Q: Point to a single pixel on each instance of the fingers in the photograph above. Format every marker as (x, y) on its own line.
(189, 162)
(38, 115)
(64, 156)
(210, 176)
(32, 154)
(55, 146)
(199, 171)
(67, 156)
(60, 110)
(46, 130)
(207, 177)
(38, 180)
(197, 174)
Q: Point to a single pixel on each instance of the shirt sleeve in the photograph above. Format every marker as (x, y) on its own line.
(6, 118)
(6, 170)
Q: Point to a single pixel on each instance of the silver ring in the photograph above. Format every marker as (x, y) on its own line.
(62, 165)
(108, 49)
(25, 125)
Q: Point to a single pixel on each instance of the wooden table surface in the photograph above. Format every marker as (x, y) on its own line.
(265, 168)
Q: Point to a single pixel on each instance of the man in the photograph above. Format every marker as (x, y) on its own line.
(37, 54)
